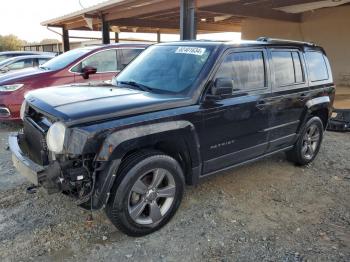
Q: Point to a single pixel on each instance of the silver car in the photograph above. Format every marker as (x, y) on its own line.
(21, 62)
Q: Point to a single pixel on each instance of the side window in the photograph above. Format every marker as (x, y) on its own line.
(42, 61)
(317, 66)
(287, 67)
(126, 56)
(28, 63)
(21, 64)
(104, 61)
(246, 69)
(16, 65)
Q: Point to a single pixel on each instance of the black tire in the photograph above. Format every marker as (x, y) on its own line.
(297, 155)
(131, 171)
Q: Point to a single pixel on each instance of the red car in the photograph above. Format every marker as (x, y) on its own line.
(88, 64)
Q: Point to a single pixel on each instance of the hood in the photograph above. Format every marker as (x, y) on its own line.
(20, 74)
(80, 104)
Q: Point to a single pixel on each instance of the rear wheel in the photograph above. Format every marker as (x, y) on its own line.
(147, 193)
(308, 143)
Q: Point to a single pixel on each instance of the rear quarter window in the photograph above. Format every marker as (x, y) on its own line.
(125, 56)
(317, 66)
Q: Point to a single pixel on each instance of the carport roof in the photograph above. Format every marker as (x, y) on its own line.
(164, 15)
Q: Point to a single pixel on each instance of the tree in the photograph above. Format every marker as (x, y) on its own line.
(10, 43)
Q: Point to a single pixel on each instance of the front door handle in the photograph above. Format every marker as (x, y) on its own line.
(261, 104)
(302, 97)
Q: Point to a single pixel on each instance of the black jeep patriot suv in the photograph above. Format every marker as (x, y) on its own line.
(178, 113)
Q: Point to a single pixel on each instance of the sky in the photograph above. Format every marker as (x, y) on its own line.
(23, 17)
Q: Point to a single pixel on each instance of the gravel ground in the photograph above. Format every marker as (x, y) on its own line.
(267, 211)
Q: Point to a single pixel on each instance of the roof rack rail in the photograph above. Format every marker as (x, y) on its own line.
(277, 41)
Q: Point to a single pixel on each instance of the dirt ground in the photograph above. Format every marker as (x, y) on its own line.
(267, 211)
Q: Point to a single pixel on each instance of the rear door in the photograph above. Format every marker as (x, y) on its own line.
(234, 128)
(290, 92)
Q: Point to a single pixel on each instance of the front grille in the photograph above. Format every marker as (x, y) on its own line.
(35, 138)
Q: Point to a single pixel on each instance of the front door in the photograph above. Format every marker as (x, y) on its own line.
(104, 61)
(235, 128)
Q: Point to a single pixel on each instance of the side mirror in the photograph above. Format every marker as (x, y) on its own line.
(87, 71)
(4, 69)
(222, 87)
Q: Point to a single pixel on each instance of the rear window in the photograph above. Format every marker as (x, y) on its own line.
(317, 66)
(287, 67)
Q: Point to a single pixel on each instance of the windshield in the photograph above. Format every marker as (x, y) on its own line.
(65, 59)
(170, 69)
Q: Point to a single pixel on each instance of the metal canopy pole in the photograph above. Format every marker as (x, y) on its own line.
(65, 39)
(158, 36)
(188, 25)
(116, 36)
(105, 31)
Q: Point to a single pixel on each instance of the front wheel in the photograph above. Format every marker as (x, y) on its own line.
(147, 193)
(308, 144)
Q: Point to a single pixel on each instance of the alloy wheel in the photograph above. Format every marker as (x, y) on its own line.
(311, 141)
(151, 197)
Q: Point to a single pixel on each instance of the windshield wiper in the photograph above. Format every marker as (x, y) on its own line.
(137, 85)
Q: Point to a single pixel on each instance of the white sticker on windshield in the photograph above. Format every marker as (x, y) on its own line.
(190, 50)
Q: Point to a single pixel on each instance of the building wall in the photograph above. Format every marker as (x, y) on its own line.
(252, 28)
(328, 27)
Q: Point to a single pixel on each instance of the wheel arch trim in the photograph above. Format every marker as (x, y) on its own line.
(116, 139)
(318, 101)
(114, 142)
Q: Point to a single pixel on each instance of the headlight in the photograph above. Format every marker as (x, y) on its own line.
(23, 109)
(10, 88)
(55, 137)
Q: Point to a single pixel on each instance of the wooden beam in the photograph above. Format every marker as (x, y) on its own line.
(249, 11)
(117, 13)
(76, 25)
(277, 4)
(159, 7)
(130, 22)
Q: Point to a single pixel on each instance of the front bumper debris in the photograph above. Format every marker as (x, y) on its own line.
(341, 121)
(25, 166)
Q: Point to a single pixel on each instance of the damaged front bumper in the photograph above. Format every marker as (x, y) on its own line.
(38, 175)
(25, 166)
